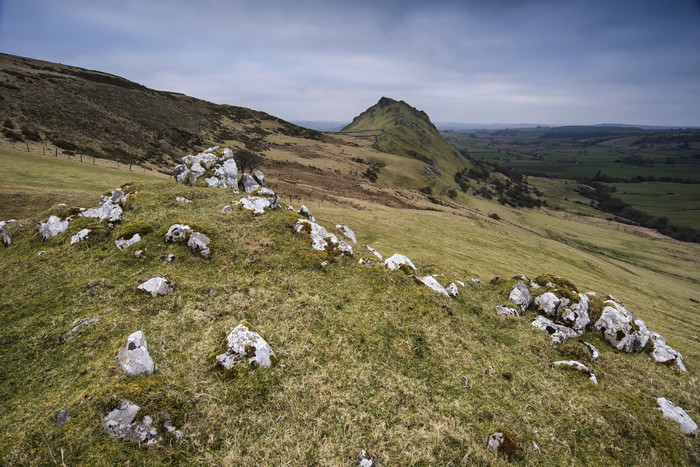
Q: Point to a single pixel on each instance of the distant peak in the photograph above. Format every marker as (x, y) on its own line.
(386, 101)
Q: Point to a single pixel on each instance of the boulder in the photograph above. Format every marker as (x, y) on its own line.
(80, 236)
(557, 332)
(431, 282)
(547, 303)
(133, 356)
(121, 243)
(259, 177)
(157, 286)
(621, 329)
(579, 367)
(304, 211)
(249, 184)
(265, 192)
(397, 260)
(225, 175)
(119, 423)
(575, 315)
(199, 242)
(663, 353)
(375, 253)
(677, 414)
(217, 162)
(347, 232)
(243, 345)
(52, 227)
(258, 204)
(452, 289)
(520, 295)
(320, 238)
(506, 311)
(177, 233)
(182, 199)
(592, 350)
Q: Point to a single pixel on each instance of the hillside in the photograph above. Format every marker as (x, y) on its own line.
(404, 130)
(51, 107)
(367, 359)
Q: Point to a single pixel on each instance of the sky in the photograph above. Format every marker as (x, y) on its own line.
(486, 61)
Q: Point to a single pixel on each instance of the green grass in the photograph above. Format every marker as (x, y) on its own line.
(367, 358)
(680, 203)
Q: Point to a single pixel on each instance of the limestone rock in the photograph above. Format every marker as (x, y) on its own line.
(259, 177)
(592, 350)
(431, 282)
(304, 211)
(244, 346)
(474, 280)
(169, 257)
(321, 239)
(80, 326)
(225, 175)
(215, 161)
(5, 237)
(119, 423)
(199, 242)
(258, 204)
(157, 286)
(178, 233)
(452, 289)
(375, 253)
(364, 460)
(506, 311)
(265, 192)
(80, 236)
(133, 356)
(227, 208)
(503, 442)
(579, 367)
(121, 243)
(621, 329)
(63, 416)
(347, 231)
(141, 254)
(109, 207)
(557, 332)
(249, 184)
(663, 353)
(171, 429)
(677, 414)
(576, 315)
(520, 295)
(182, 199)
(547, 303)
(52, 227)
(397, 260)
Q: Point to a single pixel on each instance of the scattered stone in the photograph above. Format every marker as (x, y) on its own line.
(52, 227)
(80, 236)
(375, 253)
(80, 326)
(141, 254)
(215, 161)
(258, 204)
(621, 329)
(520, 295)
(304, 211)
(63, 416)
(119, 423)
(677, 414)
(663, 353)
(133, 356)
(42, 252)
(506, 311)
(177, 233)
(5, 237)
(157, 286)
(347, 231)
(548, 303)
(227, 208)
(259, 177)
(576, 315)
(579, 367)
(557, 332)
(243, 345)
(460, 283)
(397, 260)
(169, 257)
(109, 207)
(521, 277)
(265, 192)
(364, 460)
(249, 184)
(475, 281)
(503, 442)
(365, 262)
(182, 199)
(121, 243)
(452, 289)
(171, 429)
(321, 239)
(199, 242)
(431, 282)
(535, 286)
(592, 350)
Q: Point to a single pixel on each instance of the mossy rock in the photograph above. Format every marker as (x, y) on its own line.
(128, 188)
(127, 231)
(564, 288)
(595, 309)
(64, 211)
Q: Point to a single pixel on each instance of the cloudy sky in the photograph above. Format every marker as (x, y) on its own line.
(507, 61)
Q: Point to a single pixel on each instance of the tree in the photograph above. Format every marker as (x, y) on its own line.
(247, 160)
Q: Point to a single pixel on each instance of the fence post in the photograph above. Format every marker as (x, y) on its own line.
(56, 152)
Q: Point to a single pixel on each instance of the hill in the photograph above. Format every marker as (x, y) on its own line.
(404, 130)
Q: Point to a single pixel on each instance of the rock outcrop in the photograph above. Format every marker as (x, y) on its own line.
(242, 346)
(304, 211)
(259, 177)
(621, 329)
(133, 356)
(258, 204)
(347, 232)
(431, 282)
(321, 239)
(397, 260)
(663, 353)
(80, 236)
(119, 423)
(249, 184)
(216, 165)
(178, 233)
(557, 332)
(121, 243)
(4, 237)
(677, 414)
(110, 208)
(520, 295)
(199, 243)
(52, 227)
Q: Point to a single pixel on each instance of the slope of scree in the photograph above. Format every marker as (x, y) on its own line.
(367, 358)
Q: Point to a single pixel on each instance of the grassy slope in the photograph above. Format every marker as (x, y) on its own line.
(368, 359)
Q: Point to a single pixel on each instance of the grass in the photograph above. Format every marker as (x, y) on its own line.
(367, 358)
(680, 203)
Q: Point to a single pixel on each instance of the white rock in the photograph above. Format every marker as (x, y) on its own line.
(169, 257)
(227, 208)
(375, 253)
(460, 283)
(347, 231)
(133, 356)
(243, 345)
(226, 175)
(5, 237)
(119, 423)
(364, 460)
(621, 329)
(474, 280)
(265, 192)
(140, 254)
(178, 232)
(249, 184)
(80, 236)
(557, 332)
(520, 295)
(397, 260)
(321, 238)
(662, 352)
(157, 286)
(80, 326)
(431, 282)
(199, 242)
(575, 315)
(495, 441)
(259, 177)
(258, 204)
(506, 311)
(592, 350)
(547, 303)
(182, 199)
(304, 211)
(109, 208)
(579, 367)
(452, 289)
(677, 414)
(42, 252)
(121, 243)
(52, 227)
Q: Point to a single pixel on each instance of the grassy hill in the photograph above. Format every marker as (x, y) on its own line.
(368, 359)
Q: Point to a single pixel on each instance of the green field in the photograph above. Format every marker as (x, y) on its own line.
(368, 359)
(680, 203)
